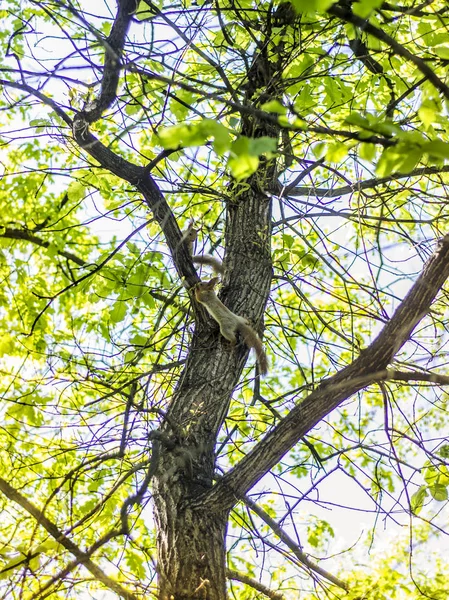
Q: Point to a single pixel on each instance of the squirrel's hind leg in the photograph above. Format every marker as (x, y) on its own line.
(228, 333)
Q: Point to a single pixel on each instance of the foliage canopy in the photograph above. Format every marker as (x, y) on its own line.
(308, 141)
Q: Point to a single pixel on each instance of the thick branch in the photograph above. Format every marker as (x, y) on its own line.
(113, 46)
(139, 177)
(334, 390)
(56, 534)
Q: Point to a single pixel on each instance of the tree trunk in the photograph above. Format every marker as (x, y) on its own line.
(191, 549)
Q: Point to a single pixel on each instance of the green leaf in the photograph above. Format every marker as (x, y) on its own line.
(367, 151)
(358, 120)
(40, 124)
(444, 451)
(417, 500)
(144, 12)
(410, 160)
(262, 145)
(401, 158)
(34, 563)
(76, 191)
(136, 565)
(288, 240)
(139, 339)
(243, 166)
(299, 67)
(183, 135)
(428, 112)
(51, 250)
(274, 106)
(437, 148)
(336, 151)
(319, 532)
(133, 108)
(442, 51)
(319, 150)
(195, 133)
(438, 492)
(363, 8)
(244, 156)
(436, 474)
(118, 312)
(220, 134)
(179, 105)
(310, 7)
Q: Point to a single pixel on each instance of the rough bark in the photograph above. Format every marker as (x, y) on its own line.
(186, 530)
(191, 539)
(191, 564)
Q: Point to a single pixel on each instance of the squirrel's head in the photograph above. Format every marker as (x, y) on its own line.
(205, 286)
(190, 235)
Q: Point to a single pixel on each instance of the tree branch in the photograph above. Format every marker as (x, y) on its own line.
(138, 177)
(113, 46)
(361, 185)
(292, 545)
(266, 117)
(190, 44)
(415, 11)
(345, 14)
(363, 371)
(82, 557)
(134, 174)
(394, 375)
(42, 97)
(250, 581)
(27, 236)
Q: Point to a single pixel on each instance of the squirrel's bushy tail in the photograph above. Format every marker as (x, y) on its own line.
(252, 340)
(209, 260)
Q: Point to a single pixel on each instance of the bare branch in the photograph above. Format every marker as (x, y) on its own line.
(292, 545)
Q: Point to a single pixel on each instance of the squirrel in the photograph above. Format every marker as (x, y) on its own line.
(190, 236)
(229, 322)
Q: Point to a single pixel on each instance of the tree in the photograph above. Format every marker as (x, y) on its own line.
(307, 140)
